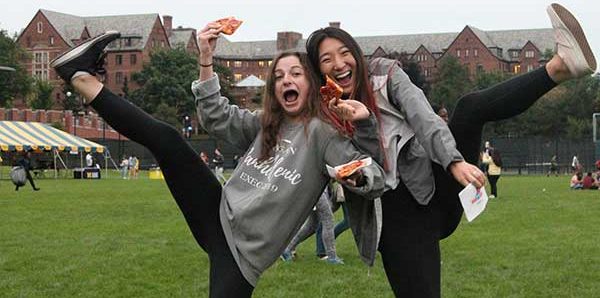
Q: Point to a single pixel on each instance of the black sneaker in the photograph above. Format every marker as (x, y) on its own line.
(88, 57)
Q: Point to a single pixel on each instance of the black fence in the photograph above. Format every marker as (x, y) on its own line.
(532, 155)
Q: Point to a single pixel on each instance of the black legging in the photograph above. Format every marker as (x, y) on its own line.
(194, 187)
(410, 234)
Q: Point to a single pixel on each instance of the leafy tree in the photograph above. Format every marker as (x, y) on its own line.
(166, 80)
(72, 102)
(548, 54)
(42, 97)
(452, 82)
(17, 83)
(165, 84)
(485, 80)
(411, 68)
(225, 79)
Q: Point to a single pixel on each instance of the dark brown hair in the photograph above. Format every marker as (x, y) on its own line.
(363, 90)
(273, 114)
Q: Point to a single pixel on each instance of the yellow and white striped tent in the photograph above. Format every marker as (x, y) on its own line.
(19, 136)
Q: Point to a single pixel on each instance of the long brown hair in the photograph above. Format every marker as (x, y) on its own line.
(273, 114)
(363, 91)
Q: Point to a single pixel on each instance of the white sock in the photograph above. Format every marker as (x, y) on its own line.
(79, 73)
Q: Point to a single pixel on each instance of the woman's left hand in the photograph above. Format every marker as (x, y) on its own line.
(349, 109)
(354, 180)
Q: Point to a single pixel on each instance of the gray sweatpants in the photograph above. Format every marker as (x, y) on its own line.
(324, 215)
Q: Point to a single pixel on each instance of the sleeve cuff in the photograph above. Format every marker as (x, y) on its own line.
(204, 89)
(371, 121)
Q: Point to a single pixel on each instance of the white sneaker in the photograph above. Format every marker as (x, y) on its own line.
(492, 196)
(572, 46)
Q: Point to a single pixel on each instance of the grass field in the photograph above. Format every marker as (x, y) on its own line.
(117, 238)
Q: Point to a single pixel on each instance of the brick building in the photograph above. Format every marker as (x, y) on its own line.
(515, 51)
(50, 33)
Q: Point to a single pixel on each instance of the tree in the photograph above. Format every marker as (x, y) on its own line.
(42, 96)
(72, 100)
(166, 80)
(452, 82)
(225, 79)
(17, 83)
(411, 68)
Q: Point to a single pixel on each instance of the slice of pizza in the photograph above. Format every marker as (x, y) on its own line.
(330, 90)
(349, 169)
(229, 24)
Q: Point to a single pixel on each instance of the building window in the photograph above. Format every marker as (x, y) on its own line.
(261, 63)
(457, 53)
(260, 76)
(237, 77)
(228, 64)
(529, 54)
(119, 59)
(127, 42)
(426, 72)
(237, 63)
(40, 27)
(475, 53)
(119, 77)
(40, 65)
(270, 62)
(467, 53)
(514, 54)
(133, 59)
(529, 67)
(51, 40)
(162, 44)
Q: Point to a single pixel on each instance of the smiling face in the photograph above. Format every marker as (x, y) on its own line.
(336, 60)
(291, 87)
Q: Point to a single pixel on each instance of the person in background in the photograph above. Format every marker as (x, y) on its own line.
(491, 157)
(577, 181)
(236, 159)
(124, 168)
(134, 167)
(589, 182)
(553, 166)
(25, 162)
(441, 111)
(204, 158)
(218, 161)
(337, 200)
(322, 215)
(89, 160)
(575, 165)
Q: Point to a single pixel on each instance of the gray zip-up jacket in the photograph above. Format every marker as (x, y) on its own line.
(265, 203)
(413, 136)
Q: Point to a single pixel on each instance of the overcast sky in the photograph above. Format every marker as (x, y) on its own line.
(263, 19)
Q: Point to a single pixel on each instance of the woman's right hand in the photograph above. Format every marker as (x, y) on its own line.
(207, 40)
(349, 109)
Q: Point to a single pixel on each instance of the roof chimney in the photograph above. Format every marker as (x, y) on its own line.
(168, 24)
(288, 40)
(334, 24)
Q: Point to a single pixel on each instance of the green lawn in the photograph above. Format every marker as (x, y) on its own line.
(118, 238)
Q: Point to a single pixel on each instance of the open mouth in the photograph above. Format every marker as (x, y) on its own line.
(344, 78)
(290, 95)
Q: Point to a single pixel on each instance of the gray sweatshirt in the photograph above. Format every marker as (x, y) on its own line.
(264, 204)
